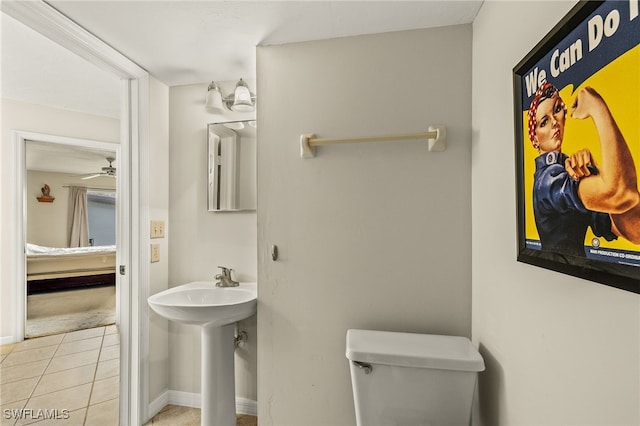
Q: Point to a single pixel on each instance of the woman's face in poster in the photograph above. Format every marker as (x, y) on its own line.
(550, 118)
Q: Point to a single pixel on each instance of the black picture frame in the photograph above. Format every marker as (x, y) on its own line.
(619, 275)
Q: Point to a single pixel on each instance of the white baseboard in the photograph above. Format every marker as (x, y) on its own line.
(158, 404)
(5, 340)
(246, 406)
(190, 399)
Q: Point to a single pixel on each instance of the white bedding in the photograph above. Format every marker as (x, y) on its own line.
(49, 262)
(36, 250)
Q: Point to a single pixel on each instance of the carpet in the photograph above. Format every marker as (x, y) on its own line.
(70, 310)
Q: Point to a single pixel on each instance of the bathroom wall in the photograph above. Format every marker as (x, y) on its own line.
(40, 119)
(158, 210)
(202, 240)
(371, 235)
(559, 350)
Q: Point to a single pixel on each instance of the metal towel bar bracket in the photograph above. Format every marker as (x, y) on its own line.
(436, 136)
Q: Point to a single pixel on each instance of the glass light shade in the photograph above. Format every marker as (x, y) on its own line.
(214, 99)
(234, 125)
(242, 98)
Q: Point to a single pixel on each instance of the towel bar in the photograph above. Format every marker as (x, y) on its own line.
(436, 136)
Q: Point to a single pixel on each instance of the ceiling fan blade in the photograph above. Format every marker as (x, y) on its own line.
(92, 176)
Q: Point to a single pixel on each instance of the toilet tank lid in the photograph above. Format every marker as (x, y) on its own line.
(413, 350)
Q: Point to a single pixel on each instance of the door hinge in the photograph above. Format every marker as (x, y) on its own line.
(122, 270)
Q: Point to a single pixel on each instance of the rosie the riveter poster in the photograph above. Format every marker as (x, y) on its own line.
(580, 139)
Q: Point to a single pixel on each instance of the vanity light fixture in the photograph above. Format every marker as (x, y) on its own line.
(214, 97)
(241, 100)
(234, 125)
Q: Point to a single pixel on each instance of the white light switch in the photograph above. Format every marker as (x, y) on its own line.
(157, 229)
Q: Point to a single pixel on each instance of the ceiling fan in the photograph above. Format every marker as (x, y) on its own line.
(106, 171)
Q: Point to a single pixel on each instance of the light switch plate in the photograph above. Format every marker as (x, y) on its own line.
(155, 253)
(157, 229)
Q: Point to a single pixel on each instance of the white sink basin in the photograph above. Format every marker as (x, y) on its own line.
(214, 309)
(202, 303)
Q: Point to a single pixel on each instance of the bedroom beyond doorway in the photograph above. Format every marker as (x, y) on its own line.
(69, 310)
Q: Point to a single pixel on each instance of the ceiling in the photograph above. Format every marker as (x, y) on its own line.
(189, 42)
(59, 158)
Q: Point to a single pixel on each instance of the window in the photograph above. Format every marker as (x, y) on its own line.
(101, 206)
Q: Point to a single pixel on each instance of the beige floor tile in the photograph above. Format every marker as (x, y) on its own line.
(111, 329)
(108, 368)
(104, 390)
(103, 414)
(18, 390)
(71, 418)
(28, 356)
(175, 415)
(45, 417)
(5, 349)
(110, 352)
(74, 360)
(69, 399)
(75, 346)
(2, 357)
(10, 412)
(65, 379)
(110, 340)
(83, 334)
(22, 371)
(39, 342)
(246, 420)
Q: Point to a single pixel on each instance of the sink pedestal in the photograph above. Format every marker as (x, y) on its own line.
(218, 389)
(215, 310)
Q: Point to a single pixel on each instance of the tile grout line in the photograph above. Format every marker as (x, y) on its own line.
(50, 359)
(95, 373)
(40, 376)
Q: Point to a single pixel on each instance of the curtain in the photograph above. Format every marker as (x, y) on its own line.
(78, 217)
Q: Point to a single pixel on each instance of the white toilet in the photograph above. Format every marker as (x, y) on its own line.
(412, 379)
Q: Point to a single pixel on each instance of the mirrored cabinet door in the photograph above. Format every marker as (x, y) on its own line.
(231, 149)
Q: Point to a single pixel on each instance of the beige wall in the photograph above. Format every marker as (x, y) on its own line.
(201, 240)
(559, 350)
(371, 235)
(38, 119)
(158, 210)
(48, 223)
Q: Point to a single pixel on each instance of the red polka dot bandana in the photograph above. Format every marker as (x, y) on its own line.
(545, 91)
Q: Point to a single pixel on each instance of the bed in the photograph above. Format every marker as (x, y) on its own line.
(53, 269)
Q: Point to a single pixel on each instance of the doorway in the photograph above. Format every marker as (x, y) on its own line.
(134, 144)
(70, 284)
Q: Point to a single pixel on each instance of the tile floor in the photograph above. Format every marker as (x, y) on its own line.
(64, 379)
(174, 415)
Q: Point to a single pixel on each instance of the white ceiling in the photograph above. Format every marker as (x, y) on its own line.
(188, 42)
(59, 158)
(39, 71)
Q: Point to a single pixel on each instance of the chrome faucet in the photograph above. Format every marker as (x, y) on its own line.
(224, 279)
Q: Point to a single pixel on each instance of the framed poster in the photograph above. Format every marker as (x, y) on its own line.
(577, 137)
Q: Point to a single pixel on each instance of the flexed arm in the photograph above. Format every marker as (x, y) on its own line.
(614, 188)
(627, 224)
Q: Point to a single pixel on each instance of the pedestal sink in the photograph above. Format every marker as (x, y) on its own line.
(215, 310)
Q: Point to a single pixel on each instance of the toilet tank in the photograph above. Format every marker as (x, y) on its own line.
(412, 379)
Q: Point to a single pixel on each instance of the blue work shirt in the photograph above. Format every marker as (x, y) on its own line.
(561, 218)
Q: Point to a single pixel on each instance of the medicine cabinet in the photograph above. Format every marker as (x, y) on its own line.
(231, 149)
